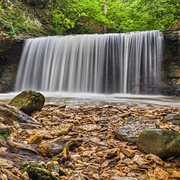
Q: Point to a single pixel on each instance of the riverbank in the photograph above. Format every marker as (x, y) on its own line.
(98, 154)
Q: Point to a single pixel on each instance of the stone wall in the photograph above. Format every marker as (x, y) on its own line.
(171, 63)
(10, 52)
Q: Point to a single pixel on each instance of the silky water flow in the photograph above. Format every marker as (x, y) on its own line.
(97, 63)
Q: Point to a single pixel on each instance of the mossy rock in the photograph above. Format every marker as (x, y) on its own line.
(28, 101)
(163, 143)
(36, 171)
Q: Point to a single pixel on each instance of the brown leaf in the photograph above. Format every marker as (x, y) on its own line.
(105, 164)
(154, 158)
(139, 160)
(175, 174)
(3, 149)
(90, 127)
(111, 153)
(128, 152)
(161, 174)
(6, 163)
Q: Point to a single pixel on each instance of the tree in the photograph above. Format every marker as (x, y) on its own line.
(136, 15)
(97, 16)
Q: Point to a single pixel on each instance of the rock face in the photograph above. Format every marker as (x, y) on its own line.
(28, 101)
(171, 63)
(163, 143)
(10, 52)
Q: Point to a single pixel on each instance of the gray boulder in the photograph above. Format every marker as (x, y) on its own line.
(174, 118)
(131, 130)
(163, 143)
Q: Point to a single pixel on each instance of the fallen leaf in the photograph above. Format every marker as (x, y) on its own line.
(160, 174)
(128, 152)
(139, 160)
(175, 174)
(154, 158)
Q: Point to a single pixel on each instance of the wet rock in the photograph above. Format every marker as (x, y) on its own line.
(163, 143)
(4, 129)
(54, 147)
(11, 115)
(36, 171)
(174, 118)
(54, 166)
(6, 163)
(10, 139)
(18, 157)
(28, 101)
(131, 130)
(35, 138)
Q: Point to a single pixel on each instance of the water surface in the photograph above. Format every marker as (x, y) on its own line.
(87, 99)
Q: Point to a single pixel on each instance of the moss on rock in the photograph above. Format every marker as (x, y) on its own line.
(36, 171)
(28, 101)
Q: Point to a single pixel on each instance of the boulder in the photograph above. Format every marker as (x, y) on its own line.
(131, 130)
(163, 143)
(174, 118)
(36, 171)
(11, 115)
(28, 101)
(54, 147)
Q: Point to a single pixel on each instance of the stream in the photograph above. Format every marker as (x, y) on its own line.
(87, 99)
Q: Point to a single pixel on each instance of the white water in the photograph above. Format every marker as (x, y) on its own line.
(106, 63)
(87, 99)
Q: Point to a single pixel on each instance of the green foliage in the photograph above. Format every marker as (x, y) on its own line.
(137, 15)
(61, 22)
(14, 25)
(91, 16)
(12, 21)
(1, 8)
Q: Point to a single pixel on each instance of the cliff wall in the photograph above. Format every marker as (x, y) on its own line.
(171, 63)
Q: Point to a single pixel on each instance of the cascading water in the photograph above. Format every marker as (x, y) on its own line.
(105, 63)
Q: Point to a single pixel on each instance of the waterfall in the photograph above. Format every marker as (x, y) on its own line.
(97, 63)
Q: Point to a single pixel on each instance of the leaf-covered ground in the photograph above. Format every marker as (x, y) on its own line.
(98, 154)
